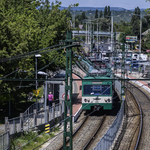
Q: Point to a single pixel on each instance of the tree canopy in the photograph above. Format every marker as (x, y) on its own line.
(27, 26)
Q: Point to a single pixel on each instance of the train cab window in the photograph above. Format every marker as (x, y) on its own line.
(96, 90)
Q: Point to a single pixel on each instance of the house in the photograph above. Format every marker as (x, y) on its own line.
(81, 26)
(146, 32)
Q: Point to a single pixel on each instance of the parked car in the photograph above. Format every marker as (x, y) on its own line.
(127, 61)
(135, 64)
(116, 59)
(106, 59)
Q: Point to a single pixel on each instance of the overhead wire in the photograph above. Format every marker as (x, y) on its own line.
(33, 53)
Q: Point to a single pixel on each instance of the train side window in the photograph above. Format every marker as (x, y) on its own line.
(80, 87)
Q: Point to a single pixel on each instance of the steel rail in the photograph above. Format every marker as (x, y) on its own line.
(75, 131)
(141, 123)
(92, 137)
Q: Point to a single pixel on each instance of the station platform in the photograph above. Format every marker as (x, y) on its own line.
(77, 98)
(135, 75)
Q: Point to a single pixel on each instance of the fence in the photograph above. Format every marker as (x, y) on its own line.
(4, 141)
(108, 139)
(30, 110)
(27, 121)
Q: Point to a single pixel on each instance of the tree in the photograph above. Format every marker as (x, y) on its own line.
(83, 16)
(146, 40)
(135, 21)
(104, 24)
(96, 13)
(105, 12)
(27, 26)
(108, 11)
(100, 14)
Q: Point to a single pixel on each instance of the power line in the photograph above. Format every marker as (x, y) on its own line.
(35, 52)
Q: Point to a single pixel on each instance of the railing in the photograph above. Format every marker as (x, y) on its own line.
(107, 140)
(4, 141)
(34, 119)
(31, 108)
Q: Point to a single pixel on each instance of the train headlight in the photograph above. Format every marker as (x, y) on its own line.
(108, 100)
(88, 100)
(85, 99)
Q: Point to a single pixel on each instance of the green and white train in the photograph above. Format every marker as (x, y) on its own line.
(99, 92)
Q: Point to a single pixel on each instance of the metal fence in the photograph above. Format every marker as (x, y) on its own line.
(27, 121)
(107, 140)
(39, 105)
(4, 141)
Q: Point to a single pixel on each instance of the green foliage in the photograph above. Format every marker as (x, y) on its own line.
(100, 14)
(96, 13)
(146, 40)
(79, 19)
(105, 12)
(135, 21)
(25, 27)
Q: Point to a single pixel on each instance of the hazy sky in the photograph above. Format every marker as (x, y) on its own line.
(128, 4)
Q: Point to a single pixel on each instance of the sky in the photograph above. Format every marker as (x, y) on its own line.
(127, 4)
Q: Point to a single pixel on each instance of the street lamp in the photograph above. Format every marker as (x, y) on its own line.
(36, 56)
(44, 73)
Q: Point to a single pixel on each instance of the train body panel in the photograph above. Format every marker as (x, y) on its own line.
(97, 94)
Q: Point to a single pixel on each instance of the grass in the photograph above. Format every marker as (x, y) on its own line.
(42, 138)
(20, 107)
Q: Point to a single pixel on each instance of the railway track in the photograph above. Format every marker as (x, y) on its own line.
(82, 137)
(135, 132)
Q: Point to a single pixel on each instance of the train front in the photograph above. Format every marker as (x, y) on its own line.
(97, 93)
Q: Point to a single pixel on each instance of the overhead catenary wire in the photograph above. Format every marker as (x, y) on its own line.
(32, 54)
(55, 59)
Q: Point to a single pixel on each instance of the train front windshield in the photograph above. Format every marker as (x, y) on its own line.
(97, 89)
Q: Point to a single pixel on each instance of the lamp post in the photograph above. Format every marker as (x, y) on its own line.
(45, 97)
(36, 56)
(44, 73)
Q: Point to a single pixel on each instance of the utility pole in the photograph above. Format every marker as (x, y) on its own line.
(86, 32)
(97, 35)
(123, 72)
(140, 34)
(68, 88)
(91, 39)
(111, 36)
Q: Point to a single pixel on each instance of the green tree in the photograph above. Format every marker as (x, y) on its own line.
(108, 11)
(96, 13)
(25, 27)
(105, 12)
(135, 21)
(146, 39)
(101, 14)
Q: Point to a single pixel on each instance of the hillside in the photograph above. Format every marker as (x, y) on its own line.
(118, 12)
(98, 8)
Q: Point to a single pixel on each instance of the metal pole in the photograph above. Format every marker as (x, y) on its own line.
(45, 93)
(97, 35)
(9, 105)
(111, 37)
(86, 32)
(68, 102)
(91, 39)
(36, 79)
(140, 34)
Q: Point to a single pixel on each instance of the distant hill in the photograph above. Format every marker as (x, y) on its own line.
(98, 8)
